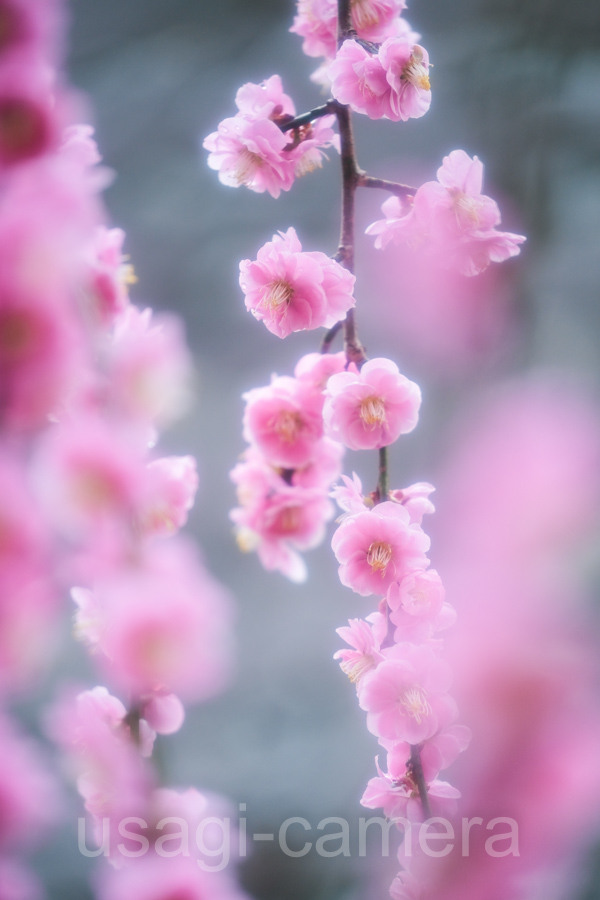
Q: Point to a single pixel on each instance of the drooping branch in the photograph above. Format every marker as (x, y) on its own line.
(400, 190)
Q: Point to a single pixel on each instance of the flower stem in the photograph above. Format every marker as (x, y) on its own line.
(329, 337)
(383, 485)
(305, 118)
(416, 773)
(400, 190)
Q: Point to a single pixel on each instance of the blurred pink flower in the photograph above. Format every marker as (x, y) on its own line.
(316, 22)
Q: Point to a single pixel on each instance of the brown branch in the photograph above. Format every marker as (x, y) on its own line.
(383, 484)
(329, 337)
(306, 118)
(415, 768)
(400, 190)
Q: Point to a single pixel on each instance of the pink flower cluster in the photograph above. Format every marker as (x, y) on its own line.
(294, 290)
(394, 655)
(286, 473)
(316, 22)
(86, 382)
(393, 84)
(451, 218)
(251, 149)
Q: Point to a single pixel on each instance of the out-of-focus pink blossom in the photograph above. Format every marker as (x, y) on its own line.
(164, 713)
(171, 485)
(28, 794)
(405, 695)
(317, 368)
(456, 220)
(399, 797)
(109, 276)
(251, 152)
(153, 877)
(376, 548)
(415, 499)
(294, 290)
(372, 408)
(112, 777)
(17, 882)
(276, 519)
(29, 114)
(437, 753)
(148, 367)
(316, 22)
(365, 639)
(163, 626)
(285, 421)
(265, 100)
(325, 467)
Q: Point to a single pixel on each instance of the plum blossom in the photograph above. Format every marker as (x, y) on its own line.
(317, 368)
(372, 408)
(294, 290)
(376, 548)
(399, 796)
(415, 499)
(365, 639)
(109, 275)
(453, 217)
(417, 606)
(405, 695)
(284, 420)
(154, 877)
(394, 84)
(277, 519)
(169, 495)
(349, 497)
(316, 22)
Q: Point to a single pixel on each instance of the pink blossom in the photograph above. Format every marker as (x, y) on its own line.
(417, 606)
(276, 519)
(350, 497)
(372, 408)
(316, 22)
(112, 777)
(30, 29)
(162, 627)
(317, 368)
(365, 637)
(399, 797)
(415, 499)
(308, 142)
(405, 695)
(377, 548)
(265, 100)
(29, 114)
(251, 152)
(358, 79)
(291, 290)
(109, 276)
(453, 216)
(163, 712)
(29, 796)
(154, 877)
(284, 420)
(171, 484)
(437, 753)
(148, 368)
(325, 467)
(406, 67)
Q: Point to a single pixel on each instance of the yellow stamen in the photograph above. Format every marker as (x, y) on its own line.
(372, 411)
(379, 556)
(356, 668)
(277, 294)
(414, 701)
(415, 72)
(466, 208)
(246, 165)
(288, 425)
(289, 518)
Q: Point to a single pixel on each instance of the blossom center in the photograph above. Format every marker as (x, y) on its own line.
(277, 294)
(379, 556)
(288, 425)
(372, 411)
(17, 336)
(246, 165)
(289, 519)
(415, 72)
(364, 13)
(357, 667)
(466, 208)
(414, 701)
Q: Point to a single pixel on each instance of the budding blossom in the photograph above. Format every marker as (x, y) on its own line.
(251, 149)
(394, 84)
(452, 218)
(294, 290)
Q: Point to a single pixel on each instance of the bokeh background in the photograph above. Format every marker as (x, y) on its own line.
(516, 82)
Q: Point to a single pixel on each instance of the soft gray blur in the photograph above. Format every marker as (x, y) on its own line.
(517, 83)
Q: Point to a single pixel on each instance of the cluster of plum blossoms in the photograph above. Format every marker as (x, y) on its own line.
(87, 381)
(298, 427)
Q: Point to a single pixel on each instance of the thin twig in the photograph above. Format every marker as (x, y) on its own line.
(329, 337)
(416, 773)
(306, 118)
(400, 190)
(383, 484)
